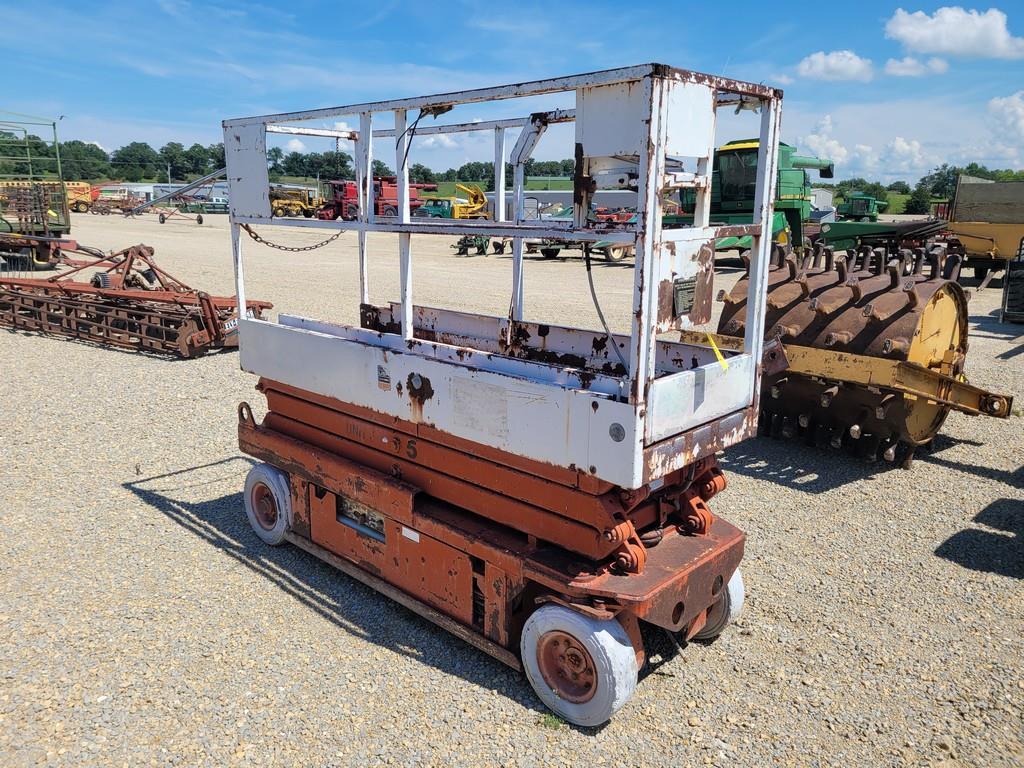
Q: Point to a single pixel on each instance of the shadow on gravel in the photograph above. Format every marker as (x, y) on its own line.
(1014, 479)
(999, 550)
(348, 604)
(794, 464)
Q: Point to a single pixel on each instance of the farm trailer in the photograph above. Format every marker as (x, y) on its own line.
(539, 491)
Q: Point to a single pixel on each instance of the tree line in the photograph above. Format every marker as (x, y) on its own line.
(339, 165)
(82, 161)
(138, 161)
(939, 184)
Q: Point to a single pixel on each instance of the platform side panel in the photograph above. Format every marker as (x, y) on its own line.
(245, 155)
(534, 420)
(690, 111)
(688, 399)
(610, 119)
(684, 275)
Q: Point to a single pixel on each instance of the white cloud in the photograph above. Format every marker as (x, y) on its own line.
(836, 65)
(911, 67)
(904, 155)
(780, 78)
(177, 8)
(341, 125)
(955, 31)
(823, 145)
(1007, 114)
(438, 141)
(97, 144)
(295, 145)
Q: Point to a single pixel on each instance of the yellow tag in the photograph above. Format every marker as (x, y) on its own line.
(718, 353)
(52, 214)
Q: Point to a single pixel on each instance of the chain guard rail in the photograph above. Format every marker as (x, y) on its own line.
(291, 248)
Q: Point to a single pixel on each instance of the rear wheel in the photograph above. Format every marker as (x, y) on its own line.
(726, 610)
(280, 212)
(583, 669)
(199, 218)
(162, 218)
(549, 253)
(268, 503)
(391, 211)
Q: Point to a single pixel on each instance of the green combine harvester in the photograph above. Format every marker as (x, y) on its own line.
(860, 206)
(734, 177)
(732, 192)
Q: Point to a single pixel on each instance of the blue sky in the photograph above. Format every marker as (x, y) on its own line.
(886, 89)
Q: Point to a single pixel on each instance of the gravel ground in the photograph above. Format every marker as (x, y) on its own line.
(142, 622)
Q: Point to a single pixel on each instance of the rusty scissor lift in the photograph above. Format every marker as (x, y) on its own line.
(537, 490)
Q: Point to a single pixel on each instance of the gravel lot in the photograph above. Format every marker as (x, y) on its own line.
(142, 622)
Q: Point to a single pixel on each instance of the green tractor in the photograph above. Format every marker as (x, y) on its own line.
(734, 177)
(860, 206)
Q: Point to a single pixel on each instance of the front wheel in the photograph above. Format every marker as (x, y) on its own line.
(162, 218)
(279, 212)
(726, 610)
(267, 499)
(583, 669)
(199, 218)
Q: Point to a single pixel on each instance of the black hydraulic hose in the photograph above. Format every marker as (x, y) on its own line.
(600, 314)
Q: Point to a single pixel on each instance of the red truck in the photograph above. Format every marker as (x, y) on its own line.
(344, 202)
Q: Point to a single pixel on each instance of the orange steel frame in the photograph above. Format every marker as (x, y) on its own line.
(474, 538)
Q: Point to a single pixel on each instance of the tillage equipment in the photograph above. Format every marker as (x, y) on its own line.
(538, 490)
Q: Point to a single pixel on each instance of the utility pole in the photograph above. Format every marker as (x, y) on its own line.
(168, 173)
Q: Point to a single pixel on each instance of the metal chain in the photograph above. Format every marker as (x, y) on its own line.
(292, 249)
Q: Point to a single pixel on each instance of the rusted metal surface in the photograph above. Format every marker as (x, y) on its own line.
(127, 302)
(32, 252)
(471, 568)
(567, 666)
(468, 634)
(877, 345)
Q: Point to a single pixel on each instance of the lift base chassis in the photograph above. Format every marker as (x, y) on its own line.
(475, 579)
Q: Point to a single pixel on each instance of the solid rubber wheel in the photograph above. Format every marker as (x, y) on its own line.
(267, 499)
(615, 252)
(583, 669)
(726, 610)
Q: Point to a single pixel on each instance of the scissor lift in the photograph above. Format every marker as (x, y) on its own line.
(537, 490)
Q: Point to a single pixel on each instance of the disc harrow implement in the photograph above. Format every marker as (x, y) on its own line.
(876, 344)
(127, 302)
